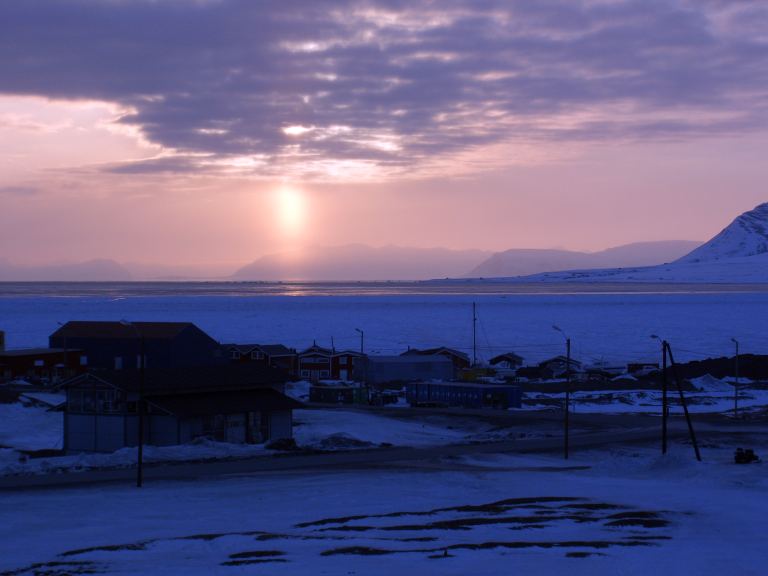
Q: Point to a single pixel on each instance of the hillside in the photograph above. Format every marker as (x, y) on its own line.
(526, 262)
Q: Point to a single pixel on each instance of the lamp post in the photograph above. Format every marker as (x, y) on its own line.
(362, 340)
(140, 405)
(363, 359)
(736, 384)
(664, 409)
(64, 361)
(567, 389)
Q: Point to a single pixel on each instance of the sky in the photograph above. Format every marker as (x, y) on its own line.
(212, 132)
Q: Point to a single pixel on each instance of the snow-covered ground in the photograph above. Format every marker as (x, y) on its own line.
(713, 396)
(628, 512)
(32, 428)
(745, 269)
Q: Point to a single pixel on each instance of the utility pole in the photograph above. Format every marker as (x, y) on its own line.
(566, 423)
(474, 334)
(362, 340)
(736, 384)
(140, 403)
(567, 393)
(664, 386)
(691, 433)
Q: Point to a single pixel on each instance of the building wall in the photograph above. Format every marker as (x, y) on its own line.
(191, 347)
(280, 425)
(382, 372)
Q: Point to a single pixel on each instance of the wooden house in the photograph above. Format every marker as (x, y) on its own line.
(238, 404)
(118, 345)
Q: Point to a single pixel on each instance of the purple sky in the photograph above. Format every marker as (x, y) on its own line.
(216, 131)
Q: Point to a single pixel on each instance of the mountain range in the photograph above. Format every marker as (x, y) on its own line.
(361, 262)
(739, 253)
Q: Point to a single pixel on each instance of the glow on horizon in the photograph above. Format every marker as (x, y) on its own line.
(291, 212)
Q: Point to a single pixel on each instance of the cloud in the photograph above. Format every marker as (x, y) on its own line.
(22, 191)
(390, 86)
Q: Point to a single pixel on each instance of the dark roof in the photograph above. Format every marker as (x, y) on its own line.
(409, 359)
(347, 353)
(35, 352)
(433, 351)
(562, 359)
(110, 329)
(511, 356)
(230, 402)
(268, 349)
(277, 350)
(191, 379)
(315, 349)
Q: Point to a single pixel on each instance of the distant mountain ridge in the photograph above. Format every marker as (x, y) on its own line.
(523, 262)
(362, 262)
(99, 270)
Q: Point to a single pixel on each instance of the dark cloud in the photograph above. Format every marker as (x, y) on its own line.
(389, 82)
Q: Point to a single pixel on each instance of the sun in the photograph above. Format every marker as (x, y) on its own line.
(290, 211)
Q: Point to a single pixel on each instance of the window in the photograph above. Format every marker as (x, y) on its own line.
(324, 374)
(39, 363)
(235, 354)
(83, 360)
(118, 362)
(305, 373)
(255, 355)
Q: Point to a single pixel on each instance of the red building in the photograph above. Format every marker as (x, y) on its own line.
(43, 365)
(318, 363)
(266, 355)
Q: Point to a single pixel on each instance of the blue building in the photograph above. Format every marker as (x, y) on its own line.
(464, 394)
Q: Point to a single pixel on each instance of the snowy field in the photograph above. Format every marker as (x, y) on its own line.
(611, 327)
(628, 512)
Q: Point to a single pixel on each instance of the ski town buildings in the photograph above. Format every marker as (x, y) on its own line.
(185, 385)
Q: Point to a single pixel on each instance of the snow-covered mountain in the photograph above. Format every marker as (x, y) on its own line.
(738, 254)
(746, 236)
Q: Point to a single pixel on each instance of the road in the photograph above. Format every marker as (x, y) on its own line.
(346, 459)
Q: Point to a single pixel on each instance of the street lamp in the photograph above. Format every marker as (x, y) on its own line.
(64, 368)
(140, 404)
(363, 359)
(567, 389)
(736, 384)
(362, 339)
(664, 409)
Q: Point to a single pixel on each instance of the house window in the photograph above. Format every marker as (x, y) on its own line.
(257, 355)
(324, 374)
(305, 373)
(83, 360)
(118, 362)
(235, 354)
(39, 363)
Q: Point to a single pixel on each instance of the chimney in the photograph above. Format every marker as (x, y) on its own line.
(2, 341)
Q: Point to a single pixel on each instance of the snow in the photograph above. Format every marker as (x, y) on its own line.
(30, 428)
(315, 426)
(707, 518)
(747, 235)
(710, 399)
(613, 327)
